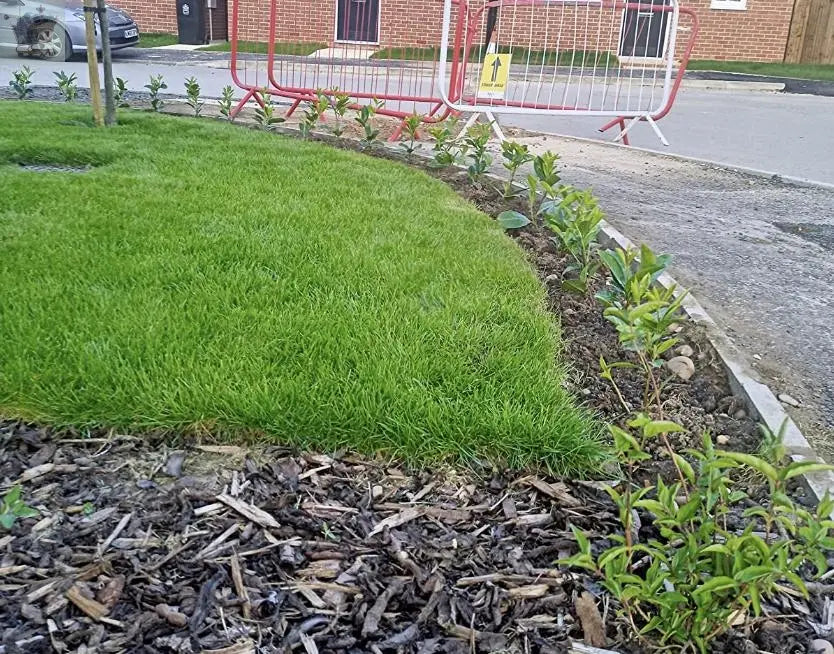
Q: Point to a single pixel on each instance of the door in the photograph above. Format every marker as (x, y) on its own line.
(9, 17)
(644, 30)
(357, 20)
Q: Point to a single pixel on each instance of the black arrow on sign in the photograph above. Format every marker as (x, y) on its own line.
(496, 64)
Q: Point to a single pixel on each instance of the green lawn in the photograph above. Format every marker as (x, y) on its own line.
(254, 47)
(800, 71)
(156, 40)
(519, 56)
(204, 276)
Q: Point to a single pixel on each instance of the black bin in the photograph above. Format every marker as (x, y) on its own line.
(191, 21)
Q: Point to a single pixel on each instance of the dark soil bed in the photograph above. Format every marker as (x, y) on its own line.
(141, 548)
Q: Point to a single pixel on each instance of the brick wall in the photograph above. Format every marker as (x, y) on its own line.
(758, 33)
(151, 15)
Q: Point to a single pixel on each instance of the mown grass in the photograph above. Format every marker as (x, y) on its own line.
(519, 56)
(155, 40)
(824, 72)
(204, 276)
(255, 47)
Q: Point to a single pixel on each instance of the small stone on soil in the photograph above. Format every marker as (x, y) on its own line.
(784, 398)
(741, 414)
(682, 367)
(820, 646)
(722, 439)
(552, 279)
(685, 351)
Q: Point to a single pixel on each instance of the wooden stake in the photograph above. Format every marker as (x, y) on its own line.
(107, 59)
(92, 62)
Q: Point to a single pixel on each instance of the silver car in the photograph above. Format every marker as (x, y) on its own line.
(54, 29)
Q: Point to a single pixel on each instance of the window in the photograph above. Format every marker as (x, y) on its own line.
(735, 5)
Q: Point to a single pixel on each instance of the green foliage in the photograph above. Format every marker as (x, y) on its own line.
(340, 103)
(67, 86)
(119, 91)
(21, 82)
(154, 86)
(575, 218)
(365, 118)
(411, 125)
(226, 101)
(512, 220)
(515, 156)
(698, 576)
(301, 325)
(13, 508)
(192, 95)
(313, 113)
(476, 140)
(446, 150)
(546, 168)
(265, 116)
(631, 276)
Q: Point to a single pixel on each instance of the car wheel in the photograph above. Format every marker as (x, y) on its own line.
(52, 42)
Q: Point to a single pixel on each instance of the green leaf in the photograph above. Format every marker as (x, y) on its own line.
(753, 573)
(7, 520)
(754, 462)
(512, 220)
(581, 540)
(715, 584)
(686, 469)
(661, 427)
(804, 468)
(575, 286)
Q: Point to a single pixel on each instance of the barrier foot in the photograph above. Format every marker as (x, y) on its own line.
(395, 136)
(240, 105)
(624, 132)
(292, 109)
(651, 121)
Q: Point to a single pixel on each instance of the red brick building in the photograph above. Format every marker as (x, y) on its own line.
(754, 30)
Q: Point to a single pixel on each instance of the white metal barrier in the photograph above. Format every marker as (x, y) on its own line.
(605, 58)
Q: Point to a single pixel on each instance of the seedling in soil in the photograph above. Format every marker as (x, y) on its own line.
(546, 168)
(119, 92)
(340, 104)
(515, 156)
(226, 101)
(154, 86)
(631, 276)
(67, 86)
(411, 125)
(575, 218)
(14, 508)
(265, 115)
(192, 93)
(365, 118)
(693, 576)
(476, 140)
(314, 112)
(21, 83)
(446, 150)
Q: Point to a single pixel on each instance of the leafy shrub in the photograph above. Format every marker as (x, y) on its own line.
(631, 276)
(192, 94)
(226, 101)
(341, 102)
(446, 150)
(265, 116)
(476, 140)
(515, 156)
(313, 113)
(67, 86)
(154, 86)
(119, 91)
(365, 118)
(698, 575)
(21, 82)
(411, 125)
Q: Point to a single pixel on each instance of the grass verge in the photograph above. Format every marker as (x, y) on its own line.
(821, 72)
(254, 47)
(156, 40)
(205, 277)
(519, 56)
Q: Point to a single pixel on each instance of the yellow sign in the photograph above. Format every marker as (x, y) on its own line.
(494, 76)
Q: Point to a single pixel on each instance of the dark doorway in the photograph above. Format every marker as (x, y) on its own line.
(644, 30)
(357, 20)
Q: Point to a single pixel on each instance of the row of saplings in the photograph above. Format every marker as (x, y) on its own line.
(713, 554)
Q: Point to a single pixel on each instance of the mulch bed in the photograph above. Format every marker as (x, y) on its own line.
(205, 548)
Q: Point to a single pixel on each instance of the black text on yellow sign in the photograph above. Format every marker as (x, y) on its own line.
(494, 75)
